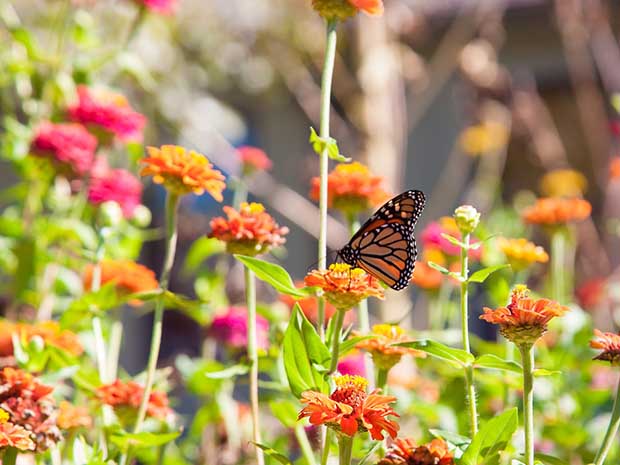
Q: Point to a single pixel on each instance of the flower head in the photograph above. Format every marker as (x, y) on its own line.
(231, 329)
(557, 211)
(432, 236)
(343, 9)
(563, 183)
(487, 137)
(353, 364)
(12, 435)
(614, 169)
(524, 320)
(128, 277)
(592, 293)
(406, 452)
(609, 343)
(521, 253)
(425, 277)
(466, 218)
(381, 346)
(182, 171)
(108, 114)
(249, 231)
(73, 416)
(128, 394)
(253, 159)
(352, 188)
(344, 286)
(350, 409)
(162, 7)
(116, 185)
(49, 331)
(70, 146)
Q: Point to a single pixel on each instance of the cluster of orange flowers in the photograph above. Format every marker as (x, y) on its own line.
(128, 277)
(521, 253)
(381, 346)
(407, 452)
(129, 394)
(555, 211)
(344, 286)
(49, 331)
(350, 409)
(73, 416)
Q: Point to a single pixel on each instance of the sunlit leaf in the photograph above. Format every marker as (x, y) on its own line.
(496, 363)
(480, 276)
(275, 275)
(145, 439)
(271, 452)
(492, 438)
(319, 144)
(457, 357)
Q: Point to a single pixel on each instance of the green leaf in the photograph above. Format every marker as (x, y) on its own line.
(453, 438)
(140, 440)
(549, 460)
(271, 452)
(275, 275)
(370, 454)
(439, 268)
(349, 344)
(457, 357)
(319, 144)
(454, 241)
(200, 250)
(543, 372)
(497, 363)
(302, 351)
(492, 438)
(285, 411)
(480, 276)
(198, 311)
(230, 372)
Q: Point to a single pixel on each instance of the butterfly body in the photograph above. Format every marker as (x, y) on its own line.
(385, 245)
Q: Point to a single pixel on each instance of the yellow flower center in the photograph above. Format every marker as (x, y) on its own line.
(390, 331)
(351, 390)
(4, 416)
(252, 208)
(353, 381)
(353, 168)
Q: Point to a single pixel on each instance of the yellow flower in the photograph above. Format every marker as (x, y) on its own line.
(489, 136)
(522, 253)
(563, 183)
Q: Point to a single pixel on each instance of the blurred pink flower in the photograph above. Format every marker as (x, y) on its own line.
(118, 185)
(353, 364)
(164, 7)
(253, 159)
(231, 328)
(432, 237)
(70, 145)
(109, 112)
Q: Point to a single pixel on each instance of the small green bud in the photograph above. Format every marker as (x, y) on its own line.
(110, 213)
(467, 218)
(141, 216)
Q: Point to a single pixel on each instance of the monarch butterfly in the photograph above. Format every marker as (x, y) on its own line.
(385, 246)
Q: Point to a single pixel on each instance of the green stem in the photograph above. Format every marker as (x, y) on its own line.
(382, 377)
(304, 444)
(345, 449)
(10, 456)
(612, 429)
(327, 441)
(326, 91)
(558, 264)
(469, 371)
(116, 337)
(250, 296)
(240, 194)
(339, 316)
(527, 358)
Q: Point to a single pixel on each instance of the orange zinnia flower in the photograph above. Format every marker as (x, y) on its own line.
(522, 253)
(406, 452)
(384, 354)
(182, 171)
(15, 436)
(614, 169)
(426, 277)
(609, 343)
(128, 277)
(352, 188)
(49, 331)
(350, 409)
(524, 320)
(343, 9)
(556, 211)
(129, 394)
(344, 286)
(249, 231)
(73, 416)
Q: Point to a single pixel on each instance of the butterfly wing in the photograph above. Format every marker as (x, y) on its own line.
(385, 245)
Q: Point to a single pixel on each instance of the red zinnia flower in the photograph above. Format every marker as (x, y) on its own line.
(129, 394)
(406, 452)
(350, 409)
(253, 159)
(69, 145)
(109, 113)
(119, 186)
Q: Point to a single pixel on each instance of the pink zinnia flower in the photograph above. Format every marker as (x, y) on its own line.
(353, 364)
(432, 237)
(118, 185)
(70, 145)
(164, 7)
(108, 112)
(231, 328)
(253, 159)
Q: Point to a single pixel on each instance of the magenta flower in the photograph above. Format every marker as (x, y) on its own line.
(108, 113)
(432, 237)
(119, 186)
(231, 328)
(69, 145)
(163, 7)
(353, 364)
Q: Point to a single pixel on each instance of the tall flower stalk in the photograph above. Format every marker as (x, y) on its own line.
(527, 360)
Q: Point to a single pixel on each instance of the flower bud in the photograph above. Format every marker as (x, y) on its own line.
(110, 213)
(334, 9)
(141, 216)
(467, 218)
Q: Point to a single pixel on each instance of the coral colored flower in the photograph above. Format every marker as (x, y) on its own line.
(432, 236)
(249, 231)
(381, 346)
(107, 113)
(614, 169)
(129, 277)
(73, 416)
(350, 409)
(353, 364)
(556, 211)
(163, 7)
(120, 394)
(182, 171)
(231, 328)
(484, 138)
(426, 277)
(253, 159)
(352, 188)
(344, 286)
(17, 382)
(69, 145)
(52, 334)
(406, 452)
(371, 7)
(15, 436)
(609, 343)
(117, 185)
(343, 9)
(592, 293)
(521, 253)
(524, 320)
(563, 183)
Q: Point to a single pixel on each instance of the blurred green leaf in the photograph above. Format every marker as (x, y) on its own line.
(457, 357)
(549, 460)
(453, 438)
(138, 440)
(543, 372)
(285, 411)
(480, 276)
(439, 268)
(350, 343)
(454, 241)
(273, 453)
(492, 438)
(200, 250)
(275, 275)
(319, 144)
(496, 363)
(230, 372)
